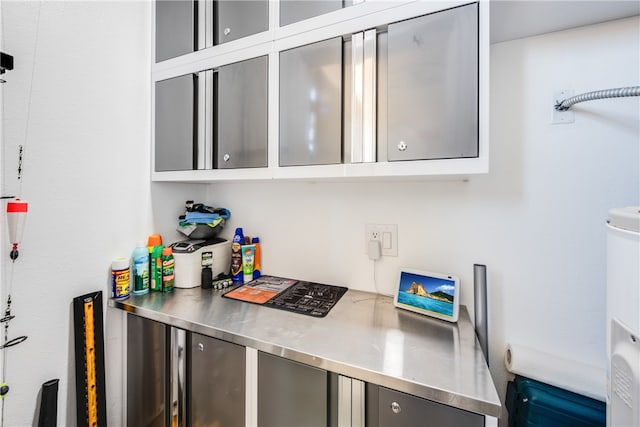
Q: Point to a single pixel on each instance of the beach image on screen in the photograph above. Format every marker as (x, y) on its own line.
(427, 293)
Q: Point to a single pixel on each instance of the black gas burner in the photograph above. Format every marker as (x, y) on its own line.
(313, 299)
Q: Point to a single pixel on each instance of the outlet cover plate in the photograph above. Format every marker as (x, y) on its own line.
(562, 117)
(386, 234)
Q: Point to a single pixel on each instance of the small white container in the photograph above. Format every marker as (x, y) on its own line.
(120, 278)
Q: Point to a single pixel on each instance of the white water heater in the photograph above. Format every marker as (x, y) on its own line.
(623, 317)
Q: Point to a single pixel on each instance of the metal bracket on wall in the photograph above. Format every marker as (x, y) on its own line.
(562, 116)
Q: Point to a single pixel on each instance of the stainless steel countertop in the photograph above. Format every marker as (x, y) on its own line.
(364, 337)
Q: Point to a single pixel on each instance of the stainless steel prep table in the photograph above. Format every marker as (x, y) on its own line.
(364, 337)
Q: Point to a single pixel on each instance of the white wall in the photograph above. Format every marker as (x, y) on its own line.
(537, 220)
(85, 176)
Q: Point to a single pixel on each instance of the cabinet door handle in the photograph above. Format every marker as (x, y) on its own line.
(200, 346)
(227, 31)
(395, 407)
(226, 157)
(402, 146)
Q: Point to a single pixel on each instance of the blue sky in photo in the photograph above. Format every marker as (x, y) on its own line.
(430, 284)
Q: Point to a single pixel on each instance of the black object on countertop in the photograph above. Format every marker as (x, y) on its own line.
(312, 299)
(206, 278)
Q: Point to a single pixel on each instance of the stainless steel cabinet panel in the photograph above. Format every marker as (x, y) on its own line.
(381, 94)
(177, 395)
(290, 393)
(175, 28)
(175, 134)
(432, 86)
(347, 84)
(241, 114)
(216, 382)
(387, 407)
(297, 10)
(239, 18)
(311, 104)
(146, 378)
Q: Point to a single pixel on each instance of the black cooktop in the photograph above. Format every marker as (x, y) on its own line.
(313, 299)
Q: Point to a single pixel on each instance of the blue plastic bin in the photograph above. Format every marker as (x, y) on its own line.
(532, 403)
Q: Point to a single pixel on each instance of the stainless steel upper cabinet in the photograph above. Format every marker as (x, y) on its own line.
(311, 104)
(239, 18)
(175, 131)
(241, 114)
(175, 28)
(297, 10)
(432, 85)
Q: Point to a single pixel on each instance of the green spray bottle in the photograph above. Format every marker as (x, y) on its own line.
(168, 270)
(156, 271)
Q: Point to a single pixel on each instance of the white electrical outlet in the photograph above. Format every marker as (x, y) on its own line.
(386, 234)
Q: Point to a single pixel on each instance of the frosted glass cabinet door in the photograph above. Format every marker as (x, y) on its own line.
(146, 372)
(290, 393)
(311, 104)
(239, 18)
(296, 10)
(175, 135)
(387, 407)
(433, 86)
(241, 115)
(216, 372)
(175, 28)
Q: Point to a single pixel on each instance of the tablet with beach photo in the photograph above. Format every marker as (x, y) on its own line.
(432, 294)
